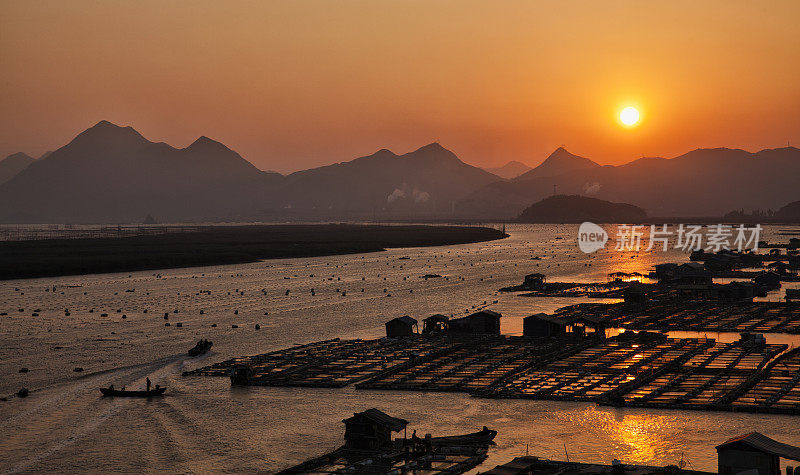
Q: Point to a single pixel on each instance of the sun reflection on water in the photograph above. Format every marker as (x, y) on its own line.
(639, 437)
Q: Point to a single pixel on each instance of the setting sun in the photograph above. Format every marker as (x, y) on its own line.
(629, 116)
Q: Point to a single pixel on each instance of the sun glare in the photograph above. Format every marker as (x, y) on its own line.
(629, 116)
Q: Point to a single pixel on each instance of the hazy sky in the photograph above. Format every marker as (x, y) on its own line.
(296, 84)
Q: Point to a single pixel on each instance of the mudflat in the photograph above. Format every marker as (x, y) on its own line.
(218, 245)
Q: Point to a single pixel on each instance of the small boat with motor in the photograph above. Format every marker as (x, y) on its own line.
(110, 391)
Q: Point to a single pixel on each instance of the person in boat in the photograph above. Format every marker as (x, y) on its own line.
(148, 384)
(110, 387)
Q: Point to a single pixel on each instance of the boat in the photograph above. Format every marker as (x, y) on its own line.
(200, 348)
(484, 437)
(159, 391)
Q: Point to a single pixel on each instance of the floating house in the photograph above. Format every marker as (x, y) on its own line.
(666, 271)
(543, 325)
(485, 321)
(401, 326)
(754, 454)
(769, 280)
(792, 294)
(435, 324)
(371, 430)
(535, 281)
(634, 294)
(692, 273)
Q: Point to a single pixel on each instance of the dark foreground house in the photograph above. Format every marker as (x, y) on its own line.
(485, 321)
(371, 430)
(400, 326)
(543, 325)
(435, 324)
(755, 454)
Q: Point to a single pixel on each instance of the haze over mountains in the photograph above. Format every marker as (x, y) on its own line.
(113, 174)
(13, 164)
(510, 170)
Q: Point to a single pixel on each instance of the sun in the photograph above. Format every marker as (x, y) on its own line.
(629, 116)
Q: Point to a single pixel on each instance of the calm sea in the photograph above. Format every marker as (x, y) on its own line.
(205, 425)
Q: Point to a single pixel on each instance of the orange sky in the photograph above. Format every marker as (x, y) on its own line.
(296, 84)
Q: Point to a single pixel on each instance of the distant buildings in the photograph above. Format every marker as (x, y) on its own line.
(482, 322)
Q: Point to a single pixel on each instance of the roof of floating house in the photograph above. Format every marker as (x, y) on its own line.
(405, 319)
(547, 318)
(763, 443)
(491, 313)
(437, 318)
(380, 417)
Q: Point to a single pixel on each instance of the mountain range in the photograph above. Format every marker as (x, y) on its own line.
(113, 174)
(110, 173)
(700, 183)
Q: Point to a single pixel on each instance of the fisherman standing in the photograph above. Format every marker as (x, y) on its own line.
(148, 384)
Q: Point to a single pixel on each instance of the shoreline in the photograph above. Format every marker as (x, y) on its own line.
(220, 246)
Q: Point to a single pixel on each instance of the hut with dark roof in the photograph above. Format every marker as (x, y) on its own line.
(485, 321)
(754, 453)
(400, 326)
(371, 430)
(435, 323)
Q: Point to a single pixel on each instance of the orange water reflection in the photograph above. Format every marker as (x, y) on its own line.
(640, 437)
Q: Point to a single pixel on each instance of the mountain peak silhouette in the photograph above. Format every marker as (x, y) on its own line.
(205, 143)
(558, 162)
(105, 133)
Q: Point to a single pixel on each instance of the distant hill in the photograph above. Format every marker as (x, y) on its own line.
(576, 209)
(424, 182)
(13, 164)
(704, 182)
(113, 174)
(790, 211)
(558, 163)
(510, 170)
